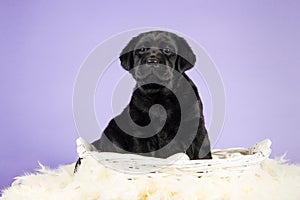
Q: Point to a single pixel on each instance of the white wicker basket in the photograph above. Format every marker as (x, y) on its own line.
(236, 160)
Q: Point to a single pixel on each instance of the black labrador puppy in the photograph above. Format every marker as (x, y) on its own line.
(157, 60)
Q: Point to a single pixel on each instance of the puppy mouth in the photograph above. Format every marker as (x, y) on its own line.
(153, 76)
(153, 73)
(155, 79)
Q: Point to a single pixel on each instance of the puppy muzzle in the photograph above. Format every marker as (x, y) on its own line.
(153, 73)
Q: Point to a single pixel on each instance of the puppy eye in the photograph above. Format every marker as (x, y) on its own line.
(141, 50)
(167, 51)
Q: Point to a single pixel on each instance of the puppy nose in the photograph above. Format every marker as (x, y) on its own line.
(152, 61)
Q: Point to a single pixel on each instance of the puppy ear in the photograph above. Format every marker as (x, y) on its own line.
(126, 56)
(186, 58)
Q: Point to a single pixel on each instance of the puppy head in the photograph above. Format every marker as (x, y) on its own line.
(155, 55)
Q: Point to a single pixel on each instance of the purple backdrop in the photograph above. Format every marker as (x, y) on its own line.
(255, 45)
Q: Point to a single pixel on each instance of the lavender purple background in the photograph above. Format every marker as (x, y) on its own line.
(255, 45)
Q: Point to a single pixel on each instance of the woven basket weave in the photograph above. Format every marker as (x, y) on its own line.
(236, 160)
